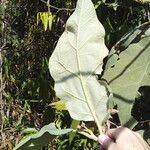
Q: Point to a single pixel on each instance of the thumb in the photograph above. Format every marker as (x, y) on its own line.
(105, 141)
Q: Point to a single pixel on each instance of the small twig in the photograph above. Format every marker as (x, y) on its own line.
(48, 3)
(93, 137)
(144, 121)
(2, 88)
(148, 12)
(2, 102)
(114, 124)
(86, 132)
(66, 9)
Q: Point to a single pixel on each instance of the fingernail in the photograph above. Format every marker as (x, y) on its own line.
(102, 138)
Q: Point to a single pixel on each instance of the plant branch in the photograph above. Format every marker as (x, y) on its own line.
(51, 6)
(86, 132)
(48, 3)
(90, 136)
(2, 103)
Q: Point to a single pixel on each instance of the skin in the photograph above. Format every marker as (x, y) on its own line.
(122, 139)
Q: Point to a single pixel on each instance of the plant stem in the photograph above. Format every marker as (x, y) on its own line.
(3, 3)
(67, 9)
(83, 82)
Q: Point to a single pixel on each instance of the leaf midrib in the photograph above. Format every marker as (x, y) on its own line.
(83, 83)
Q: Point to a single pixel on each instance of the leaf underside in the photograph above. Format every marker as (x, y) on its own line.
(76, 60)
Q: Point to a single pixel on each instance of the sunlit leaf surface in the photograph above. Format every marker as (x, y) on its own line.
(76, 60)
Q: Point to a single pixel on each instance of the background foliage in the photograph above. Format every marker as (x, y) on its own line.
(27, 88)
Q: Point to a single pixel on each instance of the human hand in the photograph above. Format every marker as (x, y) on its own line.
(122, 139)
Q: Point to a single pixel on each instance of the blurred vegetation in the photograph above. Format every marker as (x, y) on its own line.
(26, 85)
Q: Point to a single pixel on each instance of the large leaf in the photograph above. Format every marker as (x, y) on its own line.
(128, 69)
(77, 58)
(40, 139)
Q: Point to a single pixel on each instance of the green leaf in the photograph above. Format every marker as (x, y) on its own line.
(60, 105)
(50, 20)
(129, 70)
(40, 139)
(74, 125)
(46, 18)
(124, 42)
(77, 59)
(29, 130)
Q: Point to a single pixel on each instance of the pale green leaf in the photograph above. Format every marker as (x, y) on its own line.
(40, 139)
(77, 59)
(129, 71)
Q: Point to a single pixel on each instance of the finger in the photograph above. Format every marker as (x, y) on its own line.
(114, 133)
(143, 142)
(137, 135)
(105, 141)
